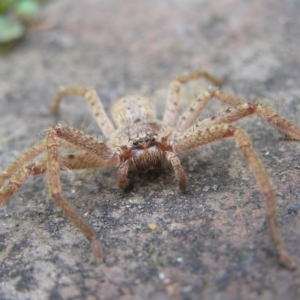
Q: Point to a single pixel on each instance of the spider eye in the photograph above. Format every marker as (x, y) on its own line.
(135, 142)
(153, 138)
(140, 140)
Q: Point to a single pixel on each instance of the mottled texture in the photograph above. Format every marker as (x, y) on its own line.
(211, 243)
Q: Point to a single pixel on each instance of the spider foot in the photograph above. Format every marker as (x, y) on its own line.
(286, 260)
(96, 247)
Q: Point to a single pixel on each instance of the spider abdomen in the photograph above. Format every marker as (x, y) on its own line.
(132, 110)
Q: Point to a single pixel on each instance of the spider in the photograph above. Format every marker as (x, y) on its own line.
(136, 137)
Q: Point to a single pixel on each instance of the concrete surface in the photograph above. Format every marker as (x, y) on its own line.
(213, 241)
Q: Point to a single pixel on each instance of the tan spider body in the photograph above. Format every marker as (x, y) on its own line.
(136, 137)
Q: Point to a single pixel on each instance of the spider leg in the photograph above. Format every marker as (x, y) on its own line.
(18, 179)
(172, 103)
(245, 109)
(241, 109)
(79, 161)
(122, 174)
(66, 162)
(199, 135)
(95, 104)
(94, 154)
(38, 148)
(192, 113)
(86, 143)
(174, 90)
(175, 162)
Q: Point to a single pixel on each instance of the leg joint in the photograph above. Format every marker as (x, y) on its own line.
(55, 195)
(57, 128)
(230, 131)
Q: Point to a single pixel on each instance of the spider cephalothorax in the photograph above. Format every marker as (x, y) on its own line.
(137, 137)
(143, 139)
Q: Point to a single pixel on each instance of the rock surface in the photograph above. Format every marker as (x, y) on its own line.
(209, 243)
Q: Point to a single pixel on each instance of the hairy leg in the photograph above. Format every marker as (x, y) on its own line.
(174, 90)
(122, 174)
(95, 103)
(85, 143)
(66, 162)
(97, 155)
(180, 175)
(18, 179)
(233, 114)
(241, 109)
(199, 135)
(190, 116)
(92, 150)
(38, 148)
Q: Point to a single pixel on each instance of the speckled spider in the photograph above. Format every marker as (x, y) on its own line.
(138, 138)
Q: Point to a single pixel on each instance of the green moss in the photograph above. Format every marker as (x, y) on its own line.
(27, 8)
(10, 29)
(13, 16)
